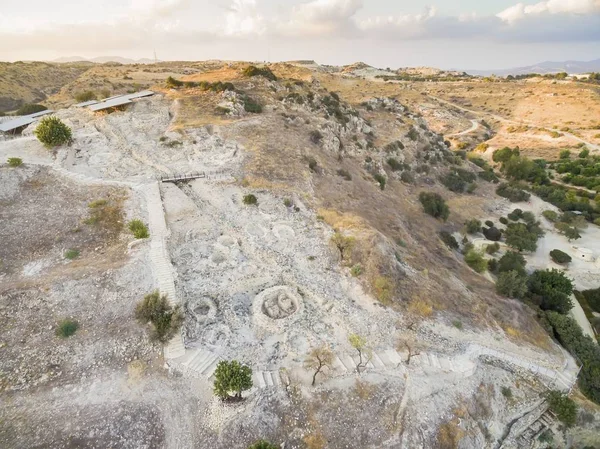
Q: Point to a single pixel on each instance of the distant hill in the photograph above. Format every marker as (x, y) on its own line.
(104, 59)
(544, 68)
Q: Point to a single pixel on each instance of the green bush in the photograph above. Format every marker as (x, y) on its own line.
(503, 220)
(593, 298)
(512, 261)
(515, 215)
(584, 153)
(473, 226)
(72, 254)
(506, 392)
(563, 407)
(394, 164)
(262, 444)
(492, 265)
(434, 205)
(87, 95)
(583, 348)
(250, 200)
(504, 154)
(356, 270)
(250, 105)
(565, 154)
(381, 180)
(67, 328)
(493, 248)
(312, 164)
(513, 194)
(29, 108)
(14, 162)
(522, 237)
(173, 83)
(550, 215)
(265, 72)
(449, 240)
(316, 136)
(475, 260)
(551, 289)
(559, 256)
(344, 174)
(458, 180)
(52, 132)
(232, 377)
(407, 177)
(165, 320)
(139, 229)
(511, 284)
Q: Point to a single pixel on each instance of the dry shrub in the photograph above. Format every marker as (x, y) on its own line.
(107, 215)
(420, 307)
(449, 435)
(364, 390)
(341, 221)
(512, 332)
(315, 440)
(384, 288)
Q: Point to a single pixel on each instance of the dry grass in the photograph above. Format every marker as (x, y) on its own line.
(449, 435)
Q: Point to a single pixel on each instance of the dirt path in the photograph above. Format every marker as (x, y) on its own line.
(590, 145)
(474, 126)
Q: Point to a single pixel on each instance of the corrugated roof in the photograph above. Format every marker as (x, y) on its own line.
(85, 103)
(22, 121)
(39, 114)
(110, 104)
(144, 93)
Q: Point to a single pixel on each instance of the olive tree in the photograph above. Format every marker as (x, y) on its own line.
(232, 377)
(359, 343)
(318, 359)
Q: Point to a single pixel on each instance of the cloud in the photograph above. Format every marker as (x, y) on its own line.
(243, 18)
(148, 23)
(521, 11)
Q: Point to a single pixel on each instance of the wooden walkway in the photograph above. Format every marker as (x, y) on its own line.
(182, 177)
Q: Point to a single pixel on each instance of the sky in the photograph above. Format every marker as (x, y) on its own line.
(460, 34)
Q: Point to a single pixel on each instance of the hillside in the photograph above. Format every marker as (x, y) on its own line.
(543, 68)
(351, 241)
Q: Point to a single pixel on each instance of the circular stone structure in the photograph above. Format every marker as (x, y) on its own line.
(276, 306)
(284, 232)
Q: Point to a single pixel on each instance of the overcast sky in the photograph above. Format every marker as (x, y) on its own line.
(466, 34)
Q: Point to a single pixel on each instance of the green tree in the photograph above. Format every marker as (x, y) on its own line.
(434, 205)
(512, 261)
(232, 377)
(473, 226)
(563, 407)
(359, 343)
(155, 309)
(475, 260)
(504, 154)
(565, 154)
(553, 290)
(52, 132)
(519, 237)
(511, 284)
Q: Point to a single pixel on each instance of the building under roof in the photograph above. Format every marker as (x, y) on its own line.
(17, 125)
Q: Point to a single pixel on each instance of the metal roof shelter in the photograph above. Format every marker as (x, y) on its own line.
(21, 122)
(120, 101)
(144, 93)
(85, 103)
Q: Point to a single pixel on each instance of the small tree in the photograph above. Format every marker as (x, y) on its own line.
(319, 358)
(434, 205)
(250, 200)
(343, 244)
(52, 132)
(559, 256)
(359, 343)
(475, 260)
(232, 377)
(563, 407)
(511, 284)
(553, 290)
(165, 320)
(473, 226)
(14, 162)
